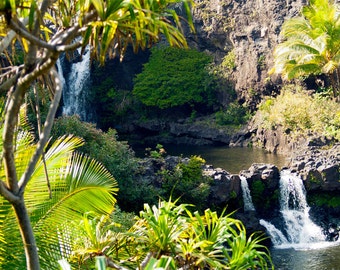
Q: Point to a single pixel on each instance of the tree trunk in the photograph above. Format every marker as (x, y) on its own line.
(335, 83)
(26, 231)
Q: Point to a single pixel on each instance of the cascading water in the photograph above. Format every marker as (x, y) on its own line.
(298, 230)
(247, 201)
(74, 95)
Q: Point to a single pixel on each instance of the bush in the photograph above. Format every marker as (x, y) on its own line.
(299, 112)
(115, 155)
(171, 233)
(175, 77)
(187, 182)
(235, 114)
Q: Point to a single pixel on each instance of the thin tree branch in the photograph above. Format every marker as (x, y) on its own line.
(8, 195)
(11, 118)
(9, 83)
(20, 30)
(53, 47)
(45, 133)
(6, 41)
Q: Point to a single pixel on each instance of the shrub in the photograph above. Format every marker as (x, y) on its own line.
(235, 114)
(299, 112)
(175, 77)
(187, 182)
(186, 240)
(115, 155)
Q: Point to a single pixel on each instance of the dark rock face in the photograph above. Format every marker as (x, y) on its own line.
(251, 29)
(225, 186)
(183, 132)
(318, 168)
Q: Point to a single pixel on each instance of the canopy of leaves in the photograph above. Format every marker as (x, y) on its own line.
(64, 186)
(311, 42)
(174, 77)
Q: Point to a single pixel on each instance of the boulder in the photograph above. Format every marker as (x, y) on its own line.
(318, 166)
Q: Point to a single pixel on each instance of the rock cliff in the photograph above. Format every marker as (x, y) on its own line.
(251, 30)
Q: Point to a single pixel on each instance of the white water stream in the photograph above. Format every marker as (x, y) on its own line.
(299, 230)
(74, 95)
(247, 201)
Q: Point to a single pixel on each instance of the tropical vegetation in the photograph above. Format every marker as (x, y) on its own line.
(40, 31)
(63, 186)
(173, 236)
(299, 113)
(311, 44)
(175, 77)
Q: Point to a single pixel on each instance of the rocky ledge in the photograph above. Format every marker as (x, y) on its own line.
(319, 167)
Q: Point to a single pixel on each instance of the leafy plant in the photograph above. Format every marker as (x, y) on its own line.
(300, 113)
(235, 114)
(175, 77)
(187, 182)
(311, 43)
(63, 186)
(196, 241)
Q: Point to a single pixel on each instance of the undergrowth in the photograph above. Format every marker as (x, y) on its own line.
(300, 113)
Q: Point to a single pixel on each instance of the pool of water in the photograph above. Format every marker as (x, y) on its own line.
(322, 256)
(232, 160)
(316, 256)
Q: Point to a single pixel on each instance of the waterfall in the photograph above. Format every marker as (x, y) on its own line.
(277, 236)
(298, 227)
(74, 95)
(247, 201)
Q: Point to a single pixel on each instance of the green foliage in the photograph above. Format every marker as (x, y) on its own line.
(196, 241)
(159, 152)
(187, 182)
(324, 199)
(300, 113)
(115, 155)
(311, 43)
(235, 114)
(229, 62)
(76, 184)
(170, 236)
(175, 77)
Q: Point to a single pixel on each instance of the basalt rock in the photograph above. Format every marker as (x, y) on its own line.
(318, 167)
(249, 28)
(225, 189)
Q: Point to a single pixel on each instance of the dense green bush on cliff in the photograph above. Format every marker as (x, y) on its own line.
(234, 114)
(115, 155)
(300, 112)
(175, 77)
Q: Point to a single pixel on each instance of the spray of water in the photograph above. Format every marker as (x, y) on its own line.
(298, 227)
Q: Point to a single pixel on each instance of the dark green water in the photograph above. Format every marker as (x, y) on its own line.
(232, 160)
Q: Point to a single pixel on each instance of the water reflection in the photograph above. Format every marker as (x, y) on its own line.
(232, 160)
(327, 258)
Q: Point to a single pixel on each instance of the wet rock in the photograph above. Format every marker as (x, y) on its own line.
(268, 173)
